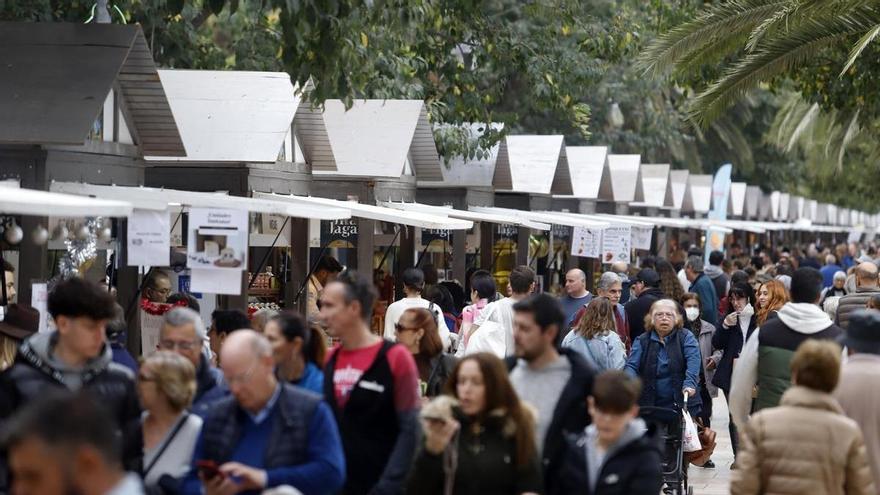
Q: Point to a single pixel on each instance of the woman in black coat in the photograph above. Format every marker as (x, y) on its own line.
(417, 331)
(730, 337)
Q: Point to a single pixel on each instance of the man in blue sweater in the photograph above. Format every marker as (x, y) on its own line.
(265, 434)
(702, 286)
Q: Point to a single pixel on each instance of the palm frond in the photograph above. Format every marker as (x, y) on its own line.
(710, 33)
(859, 47)
(776, 56)
(852, 130)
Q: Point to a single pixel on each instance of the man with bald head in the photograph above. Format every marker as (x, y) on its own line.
(265, 433)
(576, 295)
(866, 288)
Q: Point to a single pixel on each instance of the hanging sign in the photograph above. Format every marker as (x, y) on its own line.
(506, 231)
(339, 233)
(561, 232)
(149, 239)
(151, 324)
(217, 240)
(430, 235)
(586, 243)
(40, 302)
(616, 244)
(641, 237)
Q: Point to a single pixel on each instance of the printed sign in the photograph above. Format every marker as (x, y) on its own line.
(641, 237)
(149, 239)
(339, 233)
(150, 326)
(217, 240)
(40, 301)
(431, 235)
(561, 232)
(616, 244)
(586, 243)
(506, 231)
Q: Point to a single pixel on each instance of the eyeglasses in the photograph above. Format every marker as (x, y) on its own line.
(400, 328)
(243, 377)
(661, 314)
(183, 345)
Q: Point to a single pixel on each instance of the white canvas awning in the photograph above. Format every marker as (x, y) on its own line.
(374, 138)
(620, 178)
(532, 164)
(652, 187)
(585, 165)
(678, 180)
(821, 216)
(497, 218)
(784, 205)
(775, 198)
(237, 116)
(149, 198)
(698, 195)
(378, 213)
(17, 201)
(547, 218)
(736, 203)
(463, 172)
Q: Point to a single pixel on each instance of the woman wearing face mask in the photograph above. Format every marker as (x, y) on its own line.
(486, 445)
(730, 336)
(703, 331)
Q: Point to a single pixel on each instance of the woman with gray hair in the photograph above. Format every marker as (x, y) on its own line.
(667, 359)
(610, 287)
(166, 384)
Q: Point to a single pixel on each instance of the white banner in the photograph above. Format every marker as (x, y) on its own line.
(641, 237)
(149, 239)
(217, 240)
(616, 243)
(586, 243)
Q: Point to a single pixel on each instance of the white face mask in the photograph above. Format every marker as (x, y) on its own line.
(692, 313)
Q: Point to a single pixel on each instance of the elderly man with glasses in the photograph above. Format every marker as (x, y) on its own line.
(183, 332)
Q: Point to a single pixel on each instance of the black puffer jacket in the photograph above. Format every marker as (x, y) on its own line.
(34, 374)
(634, 468)
(637, 309)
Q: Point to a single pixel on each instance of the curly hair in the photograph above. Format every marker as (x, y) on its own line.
(598, 318)
(669, 282)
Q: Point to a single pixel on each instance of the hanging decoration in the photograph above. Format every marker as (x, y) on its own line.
(40, 235)
(13, 233)
(159, 309)
(81, 250)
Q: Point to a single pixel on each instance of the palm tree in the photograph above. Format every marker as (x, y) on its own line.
(756, 41)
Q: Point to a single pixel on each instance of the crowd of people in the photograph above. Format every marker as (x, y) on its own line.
(482, 389)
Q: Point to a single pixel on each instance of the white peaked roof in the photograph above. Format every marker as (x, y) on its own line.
(775, 198)
(796, 210)
(811, 210)
(753, 201)
(821, 213)
(737, 201)
(652, 189)
(620, 178)
(843, 216)
(230, 115)
(678, 180)
(374, 138)
(698, 195)
(784, 205)
(532, 164)
(833, 217)
(765, 207)
(585, 165)
(463, 172)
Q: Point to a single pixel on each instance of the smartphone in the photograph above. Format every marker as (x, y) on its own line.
(209, 469)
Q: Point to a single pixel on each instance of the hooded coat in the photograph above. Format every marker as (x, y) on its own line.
(36, 372)
(765, 359)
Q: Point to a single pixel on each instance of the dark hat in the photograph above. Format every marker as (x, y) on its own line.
(863, 333)
(649, 277)
(21, 321)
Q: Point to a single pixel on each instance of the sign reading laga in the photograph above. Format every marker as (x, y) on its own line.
(616, 244)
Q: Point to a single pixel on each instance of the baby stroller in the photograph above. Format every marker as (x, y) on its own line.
(671, 425)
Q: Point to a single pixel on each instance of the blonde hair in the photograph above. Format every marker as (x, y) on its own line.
(175, 377)
(8, 350)
(816, 365)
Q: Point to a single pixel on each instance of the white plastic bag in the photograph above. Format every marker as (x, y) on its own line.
(488, 338)
(690, 440)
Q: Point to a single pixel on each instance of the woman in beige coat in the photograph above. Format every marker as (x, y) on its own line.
(806, 445)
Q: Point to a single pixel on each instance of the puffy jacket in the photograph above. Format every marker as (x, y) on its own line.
(637, 309)
(806, 445)
(633, 466)
(35, 373)
(853, 302)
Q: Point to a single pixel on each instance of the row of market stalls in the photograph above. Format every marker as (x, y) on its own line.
(235, 187)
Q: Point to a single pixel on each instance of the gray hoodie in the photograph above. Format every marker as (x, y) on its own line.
(39, 351)
(596, 459)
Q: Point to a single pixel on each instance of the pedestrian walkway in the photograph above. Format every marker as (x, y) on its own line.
(715, 481)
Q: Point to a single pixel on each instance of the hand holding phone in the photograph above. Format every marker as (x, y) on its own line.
(209, 469)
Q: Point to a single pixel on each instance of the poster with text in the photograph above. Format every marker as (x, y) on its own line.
(40, 302)
(150, 326)
(149, 238)
(586, 243)
(641, 237)
(217, 239)
(616, 244)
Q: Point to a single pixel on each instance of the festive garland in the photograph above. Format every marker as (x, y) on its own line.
(159, 309)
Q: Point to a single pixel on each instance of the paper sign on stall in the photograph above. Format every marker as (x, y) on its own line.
(40, 302)
(226, 282)
(149, 239)
(616, 243)
(641, 237)
(586, 243)
(217, 240)
(150, 326)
